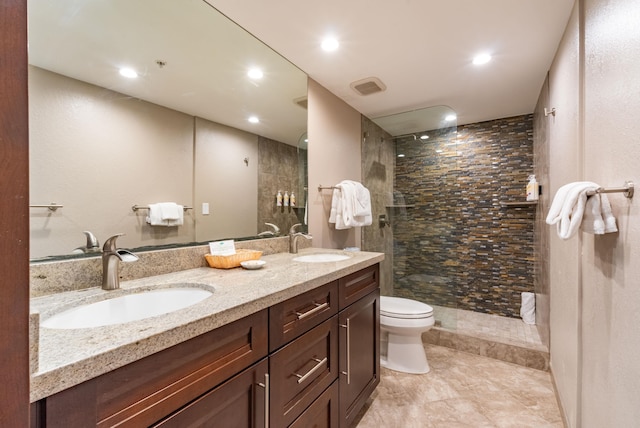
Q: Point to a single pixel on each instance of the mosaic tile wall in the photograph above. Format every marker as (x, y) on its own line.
(542, 246)
(377, 176)
(279, 169)
(475, 253)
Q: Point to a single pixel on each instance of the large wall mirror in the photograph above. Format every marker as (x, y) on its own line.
(192, 128)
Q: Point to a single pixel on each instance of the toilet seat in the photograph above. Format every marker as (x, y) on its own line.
(398, 307)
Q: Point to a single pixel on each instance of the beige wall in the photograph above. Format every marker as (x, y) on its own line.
(610, 268)
(595, 291)
(225, 181)
(85, 148)
(98, 152)
(564, 167)
(334, 155)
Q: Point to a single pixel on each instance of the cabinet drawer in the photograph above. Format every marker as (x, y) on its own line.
(358, 284)
(291, 318)
(323, 413)
(147, 390)
(301, 371)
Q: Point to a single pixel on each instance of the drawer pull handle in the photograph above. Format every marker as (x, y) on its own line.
(302, 378)
(318, 308)
(348, 372)
(265, 385)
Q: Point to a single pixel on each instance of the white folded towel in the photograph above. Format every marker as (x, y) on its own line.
(567, 210)
(598, 219)
(165, 214)
(350, 205)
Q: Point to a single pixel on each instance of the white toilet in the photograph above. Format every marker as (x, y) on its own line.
(402, 322)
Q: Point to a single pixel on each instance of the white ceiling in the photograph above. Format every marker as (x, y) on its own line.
(206, 60)
(420, 49)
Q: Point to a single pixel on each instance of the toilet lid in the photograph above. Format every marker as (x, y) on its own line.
(398, 307)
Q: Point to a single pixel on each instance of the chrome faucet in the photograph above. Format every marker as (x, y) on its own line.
(92, 245)
(274, 232)
(293, 238)
(110, 258)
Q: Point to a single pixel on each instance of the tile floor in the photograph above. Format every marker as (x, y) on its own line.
(462, 390)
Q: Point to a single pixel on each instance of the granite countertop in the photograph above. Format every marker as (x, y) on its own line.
(69, 357)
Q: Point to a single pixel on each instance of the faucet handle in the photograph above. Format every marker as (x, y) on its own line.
(110, 244)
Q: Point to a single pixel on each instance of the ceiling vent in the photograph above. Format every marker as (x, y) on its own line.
(368, 86)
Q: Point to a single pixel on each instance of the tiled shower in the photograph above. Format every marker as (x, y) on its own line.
(456, 234)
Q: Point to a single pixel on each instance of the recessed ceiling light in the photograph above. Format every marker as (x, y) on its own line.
(481, 59)
(254, 119)
(128, 72)
(424, 137)
(255, 73)
(330, 44)
(400, 155)
(450, 117)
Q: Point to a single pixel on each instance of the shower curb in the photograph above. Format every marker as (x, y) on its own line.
(534, 357)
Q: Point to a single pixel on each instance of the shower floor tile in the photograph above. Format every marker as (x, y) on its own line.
(462, 390)
(502, 338)
(496, 328)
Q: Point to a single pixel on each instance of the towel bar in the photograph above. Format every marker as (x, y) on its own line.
(627, 190)
(146, 207)
(52, 206)
(321, 188)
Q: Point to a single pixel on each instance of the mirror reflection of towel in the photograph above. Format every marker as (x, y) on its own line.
(165, 214)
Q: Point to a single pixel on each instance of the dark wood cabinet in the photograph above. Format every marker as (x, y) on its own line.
(301, 371)
(143, 392)
(291, 318)
(359, 354)
(240, 402)
(323, 413)
(310, 361)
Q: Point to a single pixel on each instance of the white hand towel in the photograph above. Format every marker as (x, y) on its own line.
(598, 219)
(568, 207)
(350, 205)
(170, 211)
(335, 216)
(165, 214)
(154, 216)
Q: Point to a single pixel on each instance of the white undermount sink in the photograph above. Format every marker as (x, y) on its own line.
(321, 258)
(127, 308)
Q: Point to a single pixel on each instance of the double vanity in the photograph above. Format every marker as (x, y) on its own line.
(293, 344)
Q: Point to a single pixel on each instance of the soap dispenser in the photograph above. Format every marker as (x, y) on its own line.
(532, 189)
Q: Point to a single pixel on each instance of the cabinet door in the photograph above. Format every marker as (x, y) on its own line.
(359, 354)
(237, 403)
(323, 413)
(301, 371)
